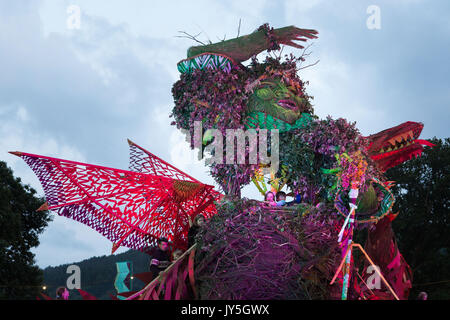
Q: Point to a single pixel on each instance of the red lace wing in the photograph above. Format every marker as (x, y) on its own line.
(131, 209)
(144, 161)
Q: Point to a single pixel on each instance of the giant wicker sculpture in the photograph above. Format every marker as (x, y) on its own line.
(251, 249)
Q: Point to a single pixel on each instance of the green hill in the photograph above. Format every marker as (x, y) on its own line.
(97, 274)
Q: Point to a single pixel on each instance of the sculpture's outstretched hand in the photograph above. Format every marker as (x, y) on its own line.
(244, 47)
(290, 34)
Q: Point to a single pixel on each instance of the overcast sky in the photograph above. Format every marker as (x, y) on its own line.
(79, 93)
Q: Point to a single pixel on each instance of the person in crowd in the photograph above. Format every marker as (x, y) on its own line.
(176, 254)
(62, 293)
(160, 257)
(195, 226)
(281, 198)
(422, 296)
(269, 198)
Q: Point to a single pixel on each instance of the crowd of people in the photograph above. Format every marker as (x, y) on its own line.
(279, 199)
(160, 257)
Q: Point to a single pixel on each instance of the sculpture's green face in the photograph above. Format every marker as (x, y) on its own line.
(274, 105)
(276, 99)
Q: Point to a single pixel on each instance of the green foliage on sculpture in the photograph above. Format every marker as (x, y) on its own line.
(315, 157)
(264, 95)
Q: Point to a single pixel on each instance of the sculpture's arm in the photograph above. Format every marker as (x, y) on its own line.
(243, 48)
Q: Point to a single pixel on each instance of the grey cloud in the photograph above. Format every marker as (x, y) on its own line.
(67, 97)
(407, 58)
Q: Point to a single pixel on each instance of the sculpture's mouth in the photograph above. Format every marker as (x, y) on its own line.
(401, 140)
(288, 104)
(395, 145)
